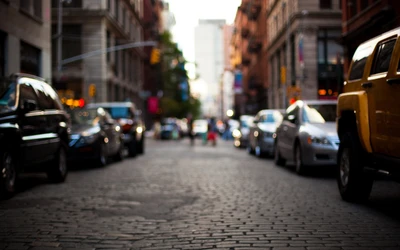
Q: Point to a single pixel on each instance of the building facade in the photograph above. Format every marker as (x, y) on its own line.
(305, 54)
(227, 95)
(25, 38)
(365, 19)
(249, 57)
(209, 57)
(91, 26)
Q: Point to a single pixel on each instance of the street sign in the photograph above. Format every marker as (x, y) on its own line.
(92, 90)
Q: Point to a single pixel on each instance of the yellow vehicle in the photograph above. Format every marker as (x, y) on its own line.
(368, 117)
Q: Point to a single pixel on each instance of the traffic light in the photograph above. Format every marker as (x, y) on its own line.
(92, 90)
(155, 56)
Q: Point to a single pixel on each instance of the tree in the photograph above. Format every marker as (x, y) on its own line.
(177, 100)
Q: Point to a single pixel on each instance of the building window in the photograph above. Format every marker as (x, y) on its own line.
(108, 45)
(116, 10)
(31, 7)
(330, 64)
(2, 54)
(325, 4)
(352, 8)
(66, 4)
(30, 59)
(364, 4)
(108, 5)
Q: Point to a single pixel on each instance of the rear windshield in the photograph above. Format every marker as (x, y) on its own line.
(119, 112)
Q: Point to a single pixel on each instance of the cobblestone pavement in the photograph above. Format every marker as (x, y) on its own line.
(202, 197)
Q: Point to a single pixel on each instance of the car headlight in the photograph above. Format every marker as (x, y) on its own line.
(236, 133)
(318, 140)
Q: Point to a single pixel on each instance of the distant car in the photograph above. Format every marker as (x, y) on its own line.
(169, 129)
(241, 134)
(34, 131)
(95, 136)
(129, 118)
(200, 127)
(307, 135)
(262, 132)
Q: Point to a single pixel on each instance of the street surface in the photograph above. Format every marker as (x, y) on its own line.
(202, 197)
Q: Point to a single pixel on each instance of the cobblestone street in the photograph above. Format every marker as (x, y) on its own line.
(202, 197)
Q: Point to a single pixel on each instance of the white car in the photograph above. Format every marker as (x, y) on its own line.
(200, 127)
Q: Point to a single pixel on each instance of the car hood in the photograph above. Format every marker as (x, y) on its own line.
(80, 128)
(322, 129)
(267, 127)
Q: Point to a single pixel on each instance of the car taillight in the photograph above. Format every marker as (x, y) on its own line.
(126, 124)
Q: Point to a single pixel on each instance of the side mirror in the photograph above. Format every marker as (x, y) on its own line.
(29, 105)
(292, 118)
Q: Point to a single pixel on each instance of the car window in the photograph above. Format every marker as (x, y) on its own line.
(119, 112)
(292, 110)
(7, 95)
(359, 61)
(319, 113)
(53, 95)
(45, 101)
(27, 93)
(268, 118)
(382, 57)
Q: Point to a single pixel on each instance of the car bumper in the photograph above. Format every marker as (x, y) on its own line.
(267, 145)
(319, 155)
(86, 152)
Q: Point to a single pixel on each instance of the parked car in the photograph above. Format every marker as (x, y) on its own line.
(262, 132)
(129, 118)
(169, 129)
(369, 117)
(241, 134)
(95, 136)
(34, 131)
(307, 135)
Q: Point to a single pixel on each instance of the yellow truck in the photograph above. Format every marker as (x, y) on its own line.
(368, 117)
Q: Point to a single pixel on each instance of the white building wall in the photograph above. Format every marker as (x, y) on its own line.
(209, 58)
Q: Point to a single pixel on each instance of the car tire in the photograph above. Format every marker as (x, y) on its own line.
(58, 168)
(354, 185)
(8, 175)
(301, 169)
(278, 159)
(132, 148)
(119, 156)
(250, 149)
(102, 157)
(257, 151)
(141, 146)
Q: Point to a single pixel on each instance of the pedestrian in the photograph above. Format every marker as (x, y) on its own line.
(212, 131)
(190, 128)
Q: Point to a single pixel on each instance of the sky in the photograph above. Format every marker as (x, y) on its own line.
(187, 14)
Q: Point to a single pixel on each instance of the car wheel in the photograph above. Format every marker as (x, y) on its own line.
(8, 175)
(132, 149)
(354, 185)
(102, 157)
(257, 151)
(141, 146)
(58, 169)
(119, 156)
(300, 167)
(250, 149)
(279, 160)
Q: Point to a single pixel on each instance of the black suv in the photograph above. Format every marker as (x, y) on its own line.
(129, 118)
(34, 131)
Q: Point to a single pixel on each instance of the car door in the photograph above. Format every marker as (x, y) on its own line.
(113, 133)
(254, 131)
(383, 89)
(288, 131)
(32, 124)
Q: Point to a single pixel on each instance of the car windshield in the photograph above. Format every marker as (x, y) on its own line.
(319, 113)
(84, 117)
(268, 118)
(7, 95)
(119, 112)
(245, 122)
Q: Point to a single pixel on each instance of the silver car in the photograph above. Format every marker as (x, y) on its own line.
(241, 134)
(262, 132)
(307, 135)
